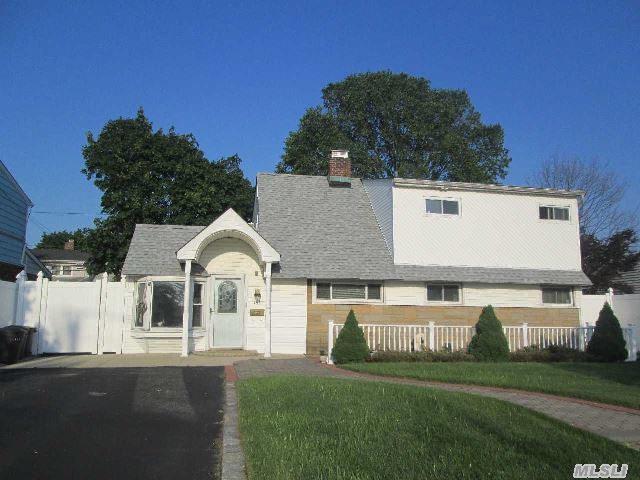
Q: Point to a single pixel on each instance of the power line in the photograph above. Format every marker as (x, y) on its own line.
(42, 212)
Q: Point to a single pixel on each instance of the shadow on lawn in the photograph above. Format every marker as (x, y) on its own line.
(627, 373)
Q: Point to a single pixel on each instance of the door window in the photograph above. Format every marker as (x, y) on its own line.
(227, 297)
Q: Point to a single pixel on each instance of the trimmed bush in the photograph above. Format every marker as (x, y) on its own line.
(351, 345)
(607, 343)
(489, 342)
(423, 356)
(553, 353)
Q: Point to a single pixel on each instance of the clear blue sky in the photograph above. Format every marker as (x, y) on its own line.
(561, 77)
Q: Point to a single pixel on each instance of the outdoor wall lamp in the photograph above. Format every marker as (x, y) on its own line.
(257, 296)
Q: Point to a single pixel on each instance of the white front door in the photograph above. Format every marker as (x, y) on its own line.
(228, 312)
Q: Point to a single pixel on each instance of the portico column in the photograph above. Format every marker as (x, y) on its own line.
(186, 312)
(267, 310)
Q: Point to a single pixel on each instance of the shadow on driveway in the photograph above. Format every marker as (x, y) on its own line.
(124, 423)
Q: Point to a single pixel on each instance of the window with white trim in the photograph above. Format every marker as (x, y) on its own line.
(442, 206)
(160, 304)
(554, 213)
(443, 292)
(328, 291)
(557, 295)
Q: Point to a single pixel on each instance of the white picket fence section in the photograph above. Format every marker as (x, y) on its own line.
(411, 338)
(71, 317)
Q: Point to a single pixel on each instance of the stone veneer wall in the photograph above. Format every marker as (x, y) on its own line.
(318, 316)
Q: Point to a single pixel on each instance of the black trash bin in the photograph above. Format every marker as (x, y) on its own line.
(28, 341)
(13, 341)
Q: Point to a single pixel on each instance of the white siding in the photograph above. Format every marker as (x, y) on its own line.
(288, 316)
(404, 293)
(492, 230)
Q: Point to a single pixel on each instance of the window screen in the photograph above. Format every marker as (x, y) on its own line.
(374, 291)
(323, 291)
(557, 295)
(443, 293)
(449, 207)
(446, 207)
(434, 206)
(554, 213)
(343, 291)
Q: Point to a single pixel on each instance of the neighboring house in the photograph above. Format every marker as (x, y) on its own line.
(397, 251)
(632, 278)
(66, 264)
(15, 206)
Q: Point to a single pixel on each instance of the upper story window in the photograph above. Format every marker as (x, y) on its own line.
(344, 292)
(557, 295)
(554, 213)
(443, 292)
(443, 207)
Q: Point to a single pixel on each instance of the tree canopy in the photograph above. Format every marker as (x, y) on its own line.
(59, 238)
(397, 125)
(155, 177)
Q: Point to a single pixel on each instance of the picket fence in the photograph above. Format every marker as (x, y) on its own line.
(453, 338)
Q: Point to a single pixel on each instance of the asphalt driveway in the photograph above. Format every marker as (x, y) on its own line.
(111, 423)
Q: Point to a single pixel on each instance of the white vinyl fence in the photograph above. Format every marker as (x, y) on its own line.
(7, 303)
(71, 317)
(411, 338)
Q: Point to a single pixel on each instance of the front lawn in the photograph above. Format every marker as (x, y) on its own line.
(307, 428)
(617, 383)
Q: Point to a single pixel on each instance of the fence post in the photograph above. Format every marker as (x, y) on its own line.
(20, 279)
(609, 296)
(525, 334)
(330, 343)
(102, 311)
(633, 348)
(42, 318)
(432, 336)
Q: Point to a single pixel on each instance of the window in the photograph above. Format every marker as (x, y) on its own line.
(442, 292)
(554, 213)
(66, 270)
(55, 269)
(557, 295)
(227, 297)
(141, 303)
(168, 304)
(197, 304)
(443, 207)
(349, 291)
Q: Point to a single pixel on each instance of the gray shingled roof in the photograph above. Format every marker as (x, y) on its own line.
(153, 249)
(52, 254)
(322, 232)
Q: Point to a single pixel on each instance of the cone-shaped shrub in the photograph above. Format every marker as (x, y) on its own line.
(489, 342)
(351, 345)
(607, 342)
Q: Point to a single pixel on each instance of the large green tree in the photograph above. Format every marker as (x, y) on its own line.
(155, 177)
(397, 125)
(59, 238)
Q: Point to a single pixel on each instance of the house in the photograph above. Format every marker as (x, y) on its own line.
(66, 264)
(15, 206)
(397, 251)
(632, 278)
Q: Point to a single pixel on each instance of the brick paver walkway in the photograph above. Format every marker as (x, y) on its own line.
(617, 423)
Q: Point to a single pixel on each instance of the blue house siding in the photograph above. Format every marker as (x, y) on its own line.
(14, 208)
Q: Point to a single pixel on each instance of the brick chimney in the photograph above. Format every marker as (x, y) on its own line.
(70, 244)
(340, 168)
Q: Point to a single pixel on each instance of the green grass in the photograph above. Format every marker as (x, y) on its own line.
(312, 428)
(609, 383)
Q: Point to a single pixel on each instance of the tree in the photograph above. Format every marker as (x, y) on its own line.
(604, 260)
(489, 342)
(607, 342)
(351, 346)
(607, 228)
(602, 210)
(155, 177)
(396, 125)
(59, 238)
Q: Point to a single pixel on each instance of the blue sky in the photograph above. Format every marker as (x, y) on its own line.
(561, 77)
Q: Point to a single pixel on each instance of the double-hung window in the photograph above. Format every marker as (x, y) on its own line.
(557, 295)
(443, 292)
(160, 304)
(442, 206)
(344, 292)
(554, 213)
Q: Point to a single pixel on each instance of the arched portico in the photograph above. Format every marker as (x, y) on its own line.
(199, 249)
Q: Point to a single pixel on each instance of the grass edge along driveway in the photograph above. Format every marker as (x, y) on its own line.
(309, 427)
(617, 383)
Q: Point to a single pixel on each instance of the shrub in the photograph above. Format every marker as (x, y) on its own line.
(553, 353)
(607, 343)
(422, 356)
(351, 345)
(489, 342)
